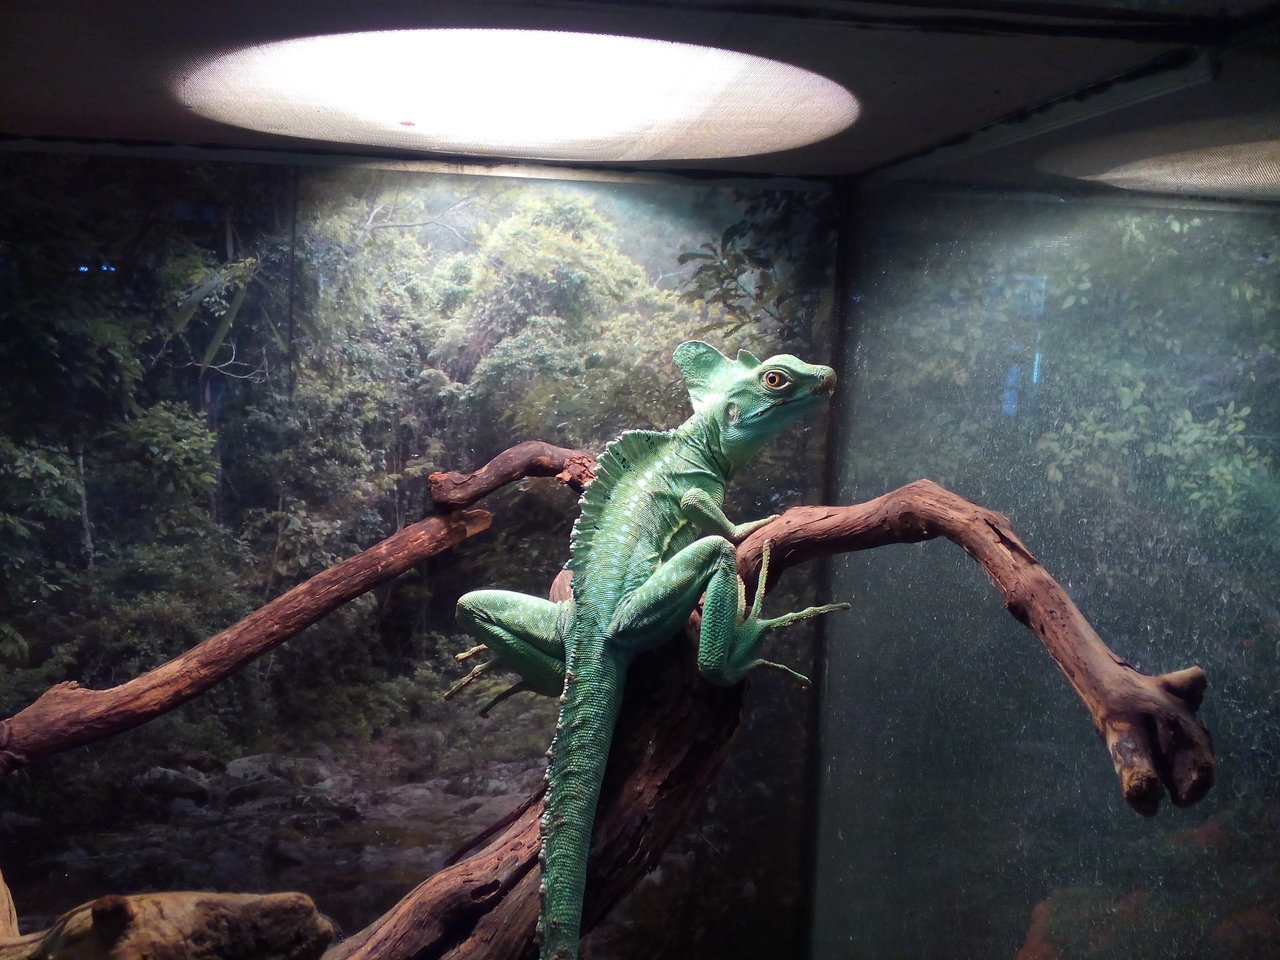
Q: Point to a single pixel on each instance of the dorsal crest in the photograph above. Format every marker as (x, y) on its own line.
(619, 457)
(708, 372)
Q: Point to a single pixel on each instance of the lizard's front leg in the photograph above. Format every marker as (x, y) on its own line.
(730, 638)
(702, 510)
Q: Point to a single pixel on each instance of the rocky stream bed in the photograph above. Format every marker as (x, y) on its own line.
(331, 827)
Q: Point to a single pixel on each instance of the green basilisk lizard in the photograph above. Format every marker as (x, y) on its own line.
(651, 540)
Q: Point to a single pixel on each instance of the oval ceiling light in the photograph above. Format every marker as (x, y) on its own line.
(527, 94)
(1234, 157)
(1246, 171)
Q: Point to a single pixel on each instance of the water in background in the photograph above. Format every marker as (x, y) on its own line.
(1107, 376)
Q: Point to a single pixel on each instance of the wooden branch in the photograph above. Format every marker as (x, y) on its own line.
(8, 913)
(672, 736)
(533, 458)
(68, 715)
(1148, 723)
(674, 730)
(190, 926)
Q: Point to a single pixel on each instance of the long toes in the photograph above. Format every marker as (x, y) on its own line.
(807, 614)
(475, 674)
(805, 682)
(762, 580)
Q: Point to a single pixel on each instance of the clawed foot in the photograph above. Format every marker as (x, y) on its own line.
(765, 624)
(478, 672)
(475, 674)
(743, 530)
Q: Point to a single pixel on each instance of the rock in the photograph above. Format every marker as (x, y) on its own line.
(168, 783)
(200, 760)
(19, 825)
(252, 778)
(296, 771)
(252, 768)
(194, 926)
(302, 771)
(259, 788)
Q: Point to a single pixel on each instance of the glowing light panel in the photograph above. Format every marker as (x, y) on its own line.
(1233, 156)
(1245, 170)
(525, 94)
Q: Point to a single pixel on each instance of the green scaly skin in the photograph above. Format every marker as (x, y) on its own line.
(652, 539)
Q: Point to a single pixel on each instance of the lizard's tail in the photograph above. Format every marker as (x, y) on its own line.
(589, 709)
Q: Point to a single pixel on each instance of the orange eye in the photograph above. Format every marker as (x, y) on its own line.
(775, 380)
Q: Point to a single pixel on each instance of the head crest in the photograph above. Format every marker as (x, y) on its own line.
(707, 371)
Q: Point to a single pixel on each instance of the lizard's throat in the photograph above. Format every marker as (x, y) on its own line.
(708, 439)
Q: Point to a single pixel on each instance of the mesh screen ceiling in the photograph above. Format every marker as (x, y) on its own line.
(1234, 157)
(524, 94)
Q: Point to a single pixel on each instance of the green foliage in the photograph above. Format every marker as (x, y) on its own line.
(771, 273)
(239, 404)
(41, 491)
(1140, 399)
(1141, 463)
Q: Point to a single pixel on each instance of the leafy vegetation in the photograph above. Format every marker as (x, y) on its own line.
(1106, 374)
(221, 379)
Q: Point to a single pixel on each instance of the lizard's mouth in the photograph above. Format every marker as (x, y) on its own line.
(825, 388)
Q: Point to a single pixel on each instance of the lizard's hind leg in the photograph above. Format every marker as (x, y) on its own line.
(731, 635)
(527, 634)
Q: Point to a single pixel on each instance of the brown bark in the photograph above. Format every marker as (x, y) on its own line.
(68, 715)
(8, 913)
(1148, 723)
(675, 729)
(673, 735)
(181, 926)
(533, 458)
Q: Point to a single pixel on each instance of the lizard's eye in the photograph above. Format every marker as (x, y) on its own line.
(776, 379)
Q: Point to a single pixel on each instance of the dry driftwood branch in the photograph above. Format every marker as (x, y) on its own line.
(68, 715)
(181, 926)
(8, 913)
(672, 737)
(532, 458)
(1148, 723)
(675, 730)
(486, 906)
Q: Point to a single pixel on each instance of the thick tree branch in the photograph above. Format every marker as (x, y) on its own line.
(193, 926)
(485, 907)
(1148, 723)
(675, 729)
(69, 715)
(533, 458)
(673, 735)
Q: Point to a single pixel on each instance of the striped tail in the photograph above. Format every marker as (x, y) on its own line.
(589, 710)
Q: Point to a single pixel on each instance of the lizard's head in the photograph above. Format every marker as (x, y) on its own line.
(750, 400)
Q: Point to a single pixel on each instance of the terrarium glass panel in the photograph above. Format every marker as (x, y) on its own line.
(1104, 372)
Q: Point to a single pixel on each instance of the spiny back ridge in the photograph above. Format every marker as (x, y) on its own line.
(618, 459)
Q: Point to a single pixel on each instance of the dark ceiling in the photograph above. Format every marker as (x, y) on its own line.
(925, 73)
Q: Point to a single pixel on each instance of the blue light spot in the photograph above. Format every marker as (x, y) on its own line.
(1009, 404)
(84, 269)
